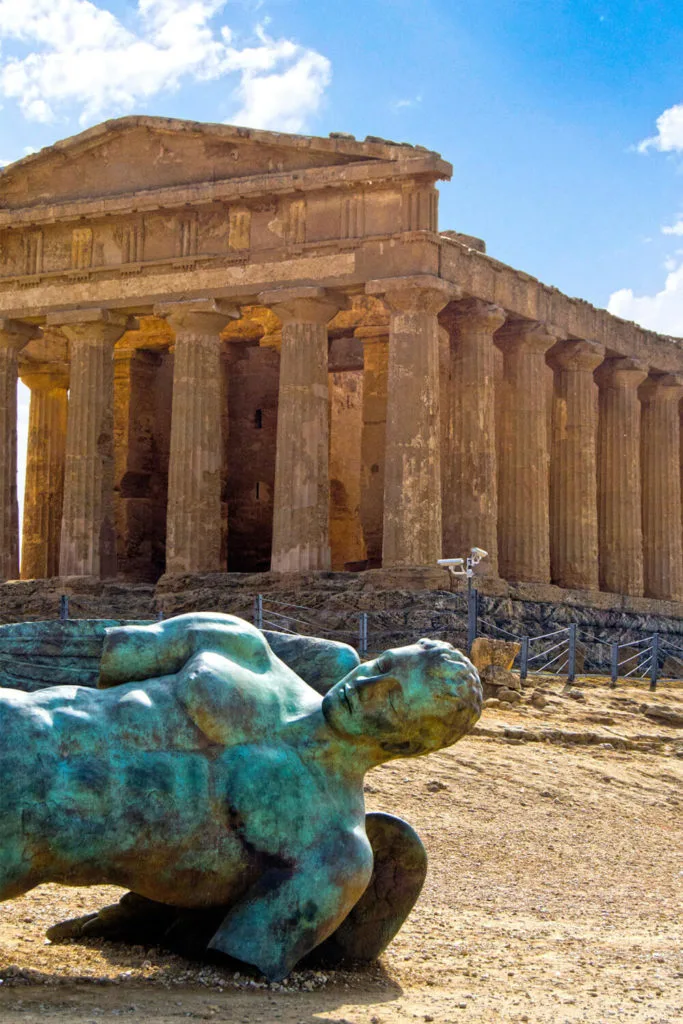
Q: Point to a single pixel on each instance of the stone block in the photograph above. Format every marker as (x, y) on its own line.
(672, 668)
(486, 651)
(509, 696)
(494, 677)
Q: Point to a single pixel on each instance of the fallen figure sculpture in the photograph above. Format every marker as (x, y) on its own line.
(207, 777)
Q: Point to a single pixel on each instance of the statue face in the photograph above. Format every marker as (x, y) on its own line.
(409, 700)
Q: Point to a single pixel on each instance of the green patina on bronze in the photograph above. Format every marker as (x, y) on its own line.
(206, 774)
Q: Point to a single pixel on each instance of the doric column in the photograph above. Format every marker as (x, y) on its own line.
(412, 482)
(620, 534)
(471, 505)
(45, 456)
(446, 441)
(375, 375)
(661, 487)
(301, 530)
(573, 465)
(13, 336)
(88, 537)
(193, 526)
(523, 456)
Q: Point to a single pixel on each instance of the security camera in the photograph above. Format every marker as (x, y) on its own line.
(451, 561)
(478, 554)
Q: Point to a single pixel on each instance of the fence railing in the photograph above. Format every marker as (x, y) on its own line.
(553, 652)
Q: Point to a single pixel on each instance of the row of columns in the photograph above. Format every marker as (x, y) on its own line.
(591, 500)
(560, 500)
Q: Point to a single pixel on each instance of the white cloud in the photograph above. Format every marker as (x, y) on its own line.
(283, 100)
(661, 312)
(673, 229)
(669, 137)
(415, 101)
(81, 55)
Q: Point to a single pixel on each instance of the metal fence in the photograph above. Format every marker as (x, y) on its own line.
(553, 652)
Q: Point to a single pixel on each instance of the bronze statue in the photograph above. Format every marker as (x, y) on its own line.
(209, 778)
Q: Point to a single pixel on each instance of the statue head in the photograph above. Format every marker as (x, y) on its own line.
(408, 701)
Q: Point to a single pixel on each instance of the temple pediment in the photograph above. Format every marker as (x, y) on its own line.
(147, 153)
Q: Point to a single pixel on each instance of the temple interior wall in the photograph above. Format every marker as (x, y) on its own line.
(253, 374)
(347, 542)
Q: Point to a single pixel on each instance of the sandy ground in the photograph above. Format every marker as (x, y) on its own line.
(554, 894)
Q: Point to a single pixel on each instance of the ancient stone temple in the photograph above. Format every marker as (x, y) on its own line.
(251, 351)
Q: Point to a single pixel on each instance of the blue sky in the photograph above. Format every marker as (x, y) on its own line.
(563, 118)
(539, 104)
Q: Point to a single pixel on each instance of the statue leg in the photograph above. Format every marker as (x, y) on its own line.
(398, 874)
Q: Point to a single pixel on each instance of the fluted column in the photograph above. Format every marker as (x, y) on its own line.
(471, 504)
(193, 524)
(88, 537)
(620, 532)
(523, 454)
(573, 465)
(301, 529)
(661, 487)
(412, 483)
(13, 336)
(45, 459)
(375, 375)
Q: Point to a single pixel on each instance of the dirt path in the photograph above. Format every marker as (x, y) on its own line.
(555, 894)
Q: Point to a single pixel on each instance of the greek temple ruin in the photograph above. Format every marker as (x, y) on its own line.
(251, 351)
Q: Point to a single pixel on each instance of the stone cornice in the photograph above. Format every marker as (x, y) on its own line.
(335, 144)
(347, 264)
(523, 296)
(363, 175)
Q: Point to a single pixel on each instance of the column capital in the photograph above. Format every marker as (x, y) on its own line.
(474, 314)
(44, 376)
(208, 316)
(94, 325)
(667, 387)
(529, 335)
(623, 373)
(372, 334)
(418, 293)
(580, 354)
(306, 304)
(15, 334)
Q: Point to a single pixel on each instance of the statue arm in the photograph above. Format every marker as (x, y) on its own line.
(134, 653)
(289, 912)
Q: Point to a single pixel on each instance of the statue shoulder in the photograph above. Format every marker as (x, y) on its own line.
(233, 701)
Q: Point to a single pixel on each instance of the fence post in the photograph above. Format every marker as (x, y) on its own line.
(614, 674)
(258, 611)
(363, 634)
(524, 658)
(472, 609)
(63, 607)
(654, 668)
(160, 615)
(571, 666)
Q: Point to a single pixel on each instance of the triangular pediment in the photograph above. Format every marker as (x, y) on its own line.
(139, 153)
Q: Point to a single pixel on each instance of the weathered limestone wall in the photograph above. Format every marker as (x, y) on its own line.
(402, 605)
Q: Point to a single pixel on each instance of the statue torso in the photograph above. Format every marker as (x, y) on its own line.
(181, 788)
